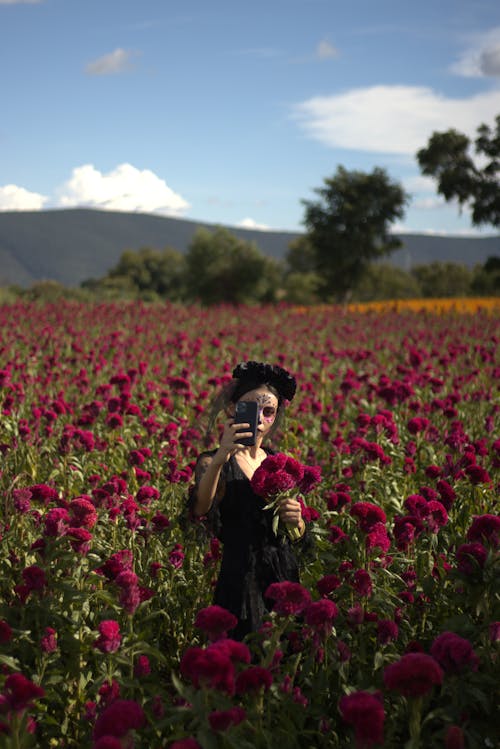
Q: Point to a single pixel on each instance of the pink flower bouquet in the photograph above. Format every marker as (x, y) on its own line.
(280, 476)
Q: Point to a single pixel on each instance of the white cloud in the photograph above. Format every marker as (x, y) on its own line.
(325, 50)
(126, 188)
(249, 223)
(118, 61)
(482, 56)
(14, 198)
(391, 119)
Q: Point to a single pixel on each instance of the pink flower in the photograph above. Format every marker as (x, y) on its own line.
(311, 477)
(83, 513)
(118, 562)
(367, 515)
(471, 558)
(290, 598)
(327, 584)
(221, 720)
(365, 712)
(20, 692)
(454, 738)
(320, 615)
(486, 529)
(142, 666)
(109, 639)
(236, 651)
(49, 640)
(215, 621)
(253, 679)
(362, 583)
(210, 668)
(56, 521)
(176, 556)
(454, 653)
(413, 675)
(119, 717)
(387, 631)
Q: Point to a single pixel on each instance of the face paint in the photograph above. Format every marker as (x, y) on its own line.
(267, 407)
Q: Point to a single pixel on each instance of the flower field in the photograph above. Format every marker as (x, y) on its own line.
(108, 639)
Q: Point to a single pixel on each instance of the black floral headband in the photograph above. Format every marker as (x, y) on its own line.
(270, 374)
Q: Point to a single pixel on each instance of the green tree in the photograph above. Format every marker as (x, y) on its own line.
(447, 158)
(220, 267)
(486, 278)
(152, 271)
(384, 281)
(349, 226)
(443, 279)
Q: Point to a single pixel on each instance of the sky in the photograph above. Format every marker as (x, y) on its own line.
(232, 112)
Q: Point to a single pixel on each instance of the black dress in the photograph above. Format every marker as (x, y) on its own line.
(253, 556)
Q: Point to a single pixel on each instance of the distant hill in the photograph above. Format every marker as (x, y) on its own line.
(70, 246)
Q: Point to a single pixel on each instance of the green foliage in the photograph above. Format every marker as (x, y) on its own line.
(148, 270)
(384, 281)
(349, 226)
(459, 177)
(222, 268)
(486, 278)
(443, 279)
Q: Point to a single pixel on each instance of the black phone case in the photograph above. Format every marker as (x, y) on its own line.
(247, 412)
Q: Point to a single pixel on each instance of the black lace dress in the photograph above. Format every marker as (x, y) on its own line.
(253, 556)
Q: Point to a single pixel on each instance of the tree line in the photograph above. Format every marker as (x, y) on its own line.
(340, 255)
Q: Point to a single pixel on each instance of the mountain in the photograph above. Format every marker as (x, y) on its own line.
(70, 246)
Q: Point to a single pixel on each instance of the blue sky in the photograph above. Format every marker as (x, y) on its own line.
(232, 112)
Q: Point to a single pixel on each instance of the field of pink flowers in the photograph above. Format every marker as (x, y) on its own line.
(108, 639)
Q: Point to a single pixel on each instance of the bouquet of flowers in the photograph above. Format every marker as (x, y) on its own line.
(280, 476)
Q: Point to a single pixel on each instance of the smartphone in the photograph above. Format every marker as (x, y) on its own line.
(247, 412)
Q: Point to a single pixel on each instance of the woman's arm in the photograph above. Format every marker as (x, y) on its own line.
(209, 468)
(290, 512)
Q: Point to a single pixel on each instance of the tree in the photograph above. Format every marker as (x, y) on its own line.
(349, 226)
(220, 267)
(447, 158)
(443, 279)
(147, 270)
(384, 281)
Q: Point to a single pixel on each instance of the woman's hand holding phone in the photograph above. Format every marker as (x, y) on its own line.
(230, 441)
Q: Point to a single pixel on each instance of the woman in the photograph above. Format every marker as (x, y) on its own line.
(253, 556)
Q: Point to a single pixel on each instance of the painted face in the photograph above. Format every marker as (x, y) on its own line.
(268, 406)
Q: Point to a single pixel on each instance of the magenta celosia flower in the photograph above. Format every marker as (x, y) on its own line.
(187, 743)
(119, 717)
(253, 679)
(367, 515)
(454, 738)
(142, 667)
(413, 675)
(56, 521)
(20, 693)
(478, 474)
(327, 584)
(221, 720)
(215, 621)
(109, 639)
(236, 651)
(494, 631)
(377, 538)
(289, 598)
(336, 535)
(454, 653)
(43, 493)
(34, 577)
(48, 642)
(107, 742)
(362, 583)
(485, 529)
(337, 500)
(387, 631)
(471, 558)
(109, 691)
(311, 477)
(5, 632)
(176, 556)
(209, 667)
(365, 712)
(80, 539)
(320, 614)
(118, 562)
(83, 513)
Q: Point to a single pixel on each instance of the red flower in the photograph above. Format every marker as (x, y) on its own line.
(236, 651)
(377, 538)
(454, 738)
(209, 668)
(49, 640)
(413, 675)
(471, 558)
(56, 521)
(454, 653)
(387, 631)
(221, 720)
(486, 529)
(20, 692)
(118, 562)
(43, 493)
(311, 477)
(320, 614)
(290, 598)
(34, 577)
(215, 621)
(176, 556)
(187, 743)
(367, 515)
(5, 632)
(109, 639)
(83, 513)
(253, 679)
(327, 584)
(362, 583)
(142, 666)
(107, 742)
(365, 712)
(119, 717)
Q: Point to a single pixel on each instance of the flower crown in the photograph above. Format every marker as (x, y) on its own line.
(270, 374)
